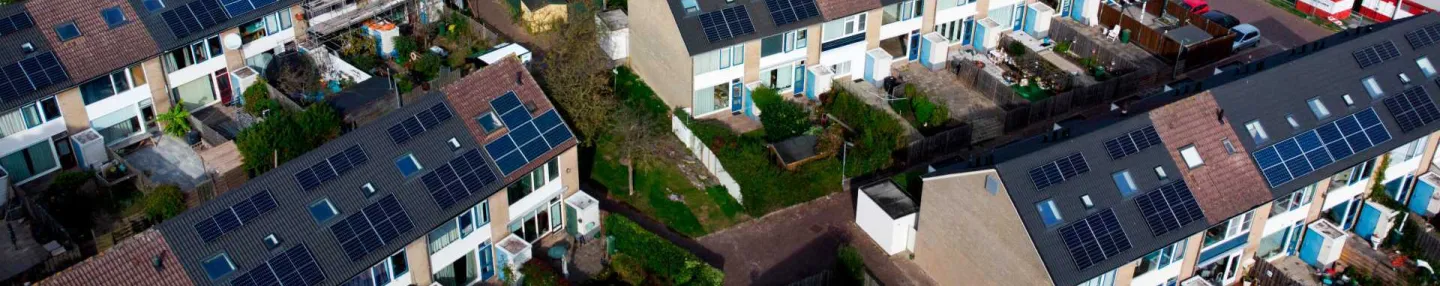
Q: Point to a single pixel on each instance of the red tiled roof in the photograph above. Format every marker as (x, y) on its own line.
(130, 262)
(835, 9)
(99, 49)
(1227, 184)
(471, 97)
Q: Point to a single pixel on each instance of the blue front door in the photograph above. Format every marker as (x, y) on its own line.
(914, 45)
(487, 261)
(737, 96)
(1018, 17)
(800, 78)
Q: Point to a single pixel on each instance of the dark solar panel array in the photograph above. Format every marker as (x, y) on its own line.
(1094, 238)
(376, 225)
(331, 168)
(15, 23)
(238, 7)
(528, 139)
(295, 266)
(726, 23)
(1056, 172)
(1423, 37)
(1169, 207)
(30, 74)
(1316, 148)
(231, 218)
(1376, 54)
(790, 11)
(1132, 142)
(458, 179)
(194, 17)
(421, 121)
(1412, 108)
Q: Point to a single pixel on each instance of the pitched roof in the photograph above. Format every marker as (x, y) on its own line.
(693, 33)
(100, 49)
(13, 55)
(1263, 90)
(291, 222)
(835, 9)
(130, 262)
(472, 99)
(167, 40)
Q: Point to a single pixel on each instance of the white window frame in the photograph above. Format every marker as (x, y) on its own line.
(1257, 132)
(1234, 227)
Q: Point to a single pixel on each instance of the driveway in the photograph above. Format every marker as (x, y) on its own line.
(798, 242)
(1275, 24)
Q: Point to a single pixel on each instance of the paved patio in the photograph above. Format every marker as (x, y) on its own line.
(963, 102)
(170, 161)
(18, 248)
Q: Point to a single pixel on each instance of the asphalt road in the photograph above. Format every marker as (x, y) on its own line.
(1276, 25)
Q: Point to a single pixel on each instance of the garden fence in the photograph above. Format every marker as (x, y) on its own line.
(707, 158)
(1154, 39)
(945, 143)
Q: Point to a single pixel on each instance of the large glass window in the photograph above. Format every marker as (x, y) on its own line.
(1354, 174)
(407, 165)
(1408, 151)
(106, 86)
(1229, 229)
(67, 31)
(1280, 242)
(269, 25)
(1296, 200)
(539, 222)
(114, 17)
(119, 125)
(1124, 182)
(323, 211)
(783, 43)
(1049, 213)
(34, 160)
(901, 11)
(194, 53)
(382, 273)
(460, 272)
(844, 27)
(1161, 258)
(719, 59)
(530, 182)
(218, 266)
(1425, 66)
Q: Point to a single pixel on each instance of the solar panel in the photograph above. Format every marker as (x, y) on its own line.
(30, 74)
(458, 179)
(194, 17)
(331, 168)
(232, 218)
(295, 266)
(1058, 171)
(226, 220)
(1169, 207)
(236, 8)
(1132, 142)
(376, 225)
(441, 113)
(790, 11)
(15, 22)
(1095, 238)
(1423, 37)
(208, 230)
(1317, 148)
(1412, 108)
(423, 120)
(1376, 54)
(263, 201)
(726, 23)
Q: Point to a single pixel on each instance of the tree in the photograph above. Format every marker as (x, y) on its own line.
(164, 202)
(176, 121)
(574, 74)
(257, 99)
(635, 136)
(295, 74)
(404, 46)
(782, 119)
(428, 66)
(359, 49)
(286, 135)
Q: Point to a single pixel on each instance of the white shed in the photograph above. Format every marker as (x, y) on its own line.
(887, 215)
(617, 43)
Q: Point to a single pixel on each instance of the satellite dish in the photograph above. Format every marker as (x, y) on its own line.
(232, 41)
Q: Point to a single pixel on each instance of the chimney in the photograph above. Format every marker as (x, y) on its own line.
(519, 79)
(158, 263)
(1220, 115)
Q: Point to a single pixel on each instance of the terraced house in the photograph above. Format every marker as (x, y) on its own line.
(111, 65)
(799, 46)
(449, 189)
(1198, 189)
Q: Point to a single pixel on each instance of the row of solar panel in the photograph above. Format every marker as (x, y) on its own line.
(1376, 54)
(1056, 172)
(376, 225)
(1311, 150)
(294, 267)
(527, 139)
(194, 17)
(1423, 37)
(238, 7)
(419, 123)
(331, 168)
(1094, 239)
(458, 179)
(727, 23)
(15, 23)
(1132, 142)
(1169, 207)
(1412, 108)
(231, 218)
(29, 75)
(790, 11)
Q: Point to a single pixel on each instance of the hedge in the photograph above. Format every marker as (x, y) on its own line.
(782, 119)
(660, 257)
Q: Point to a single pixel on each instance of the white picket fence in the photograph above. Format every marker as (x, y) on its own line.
(706, 157)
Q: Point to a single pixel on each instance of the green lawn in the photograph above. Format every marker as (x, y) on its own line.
(765, 185)
(698, 212)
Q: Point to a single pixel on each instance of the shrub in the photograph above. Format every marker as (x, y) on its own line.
(257, 98)
(538, 273)
(661, 258)
(782, 119)
(850, 264)
(877, 133)
(286, 135)
(1062, 47)
(403, 85)
(628, 268)
(164, 202)
(404, 46)
(176, 121)
(428, 66)
(1015, 49)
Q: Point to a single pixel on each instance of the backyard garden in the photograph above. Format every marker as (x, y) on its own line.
(422, 52)
(920, 110)
(1033, 77)
(643, 258)
(284, 134)
(89, 209)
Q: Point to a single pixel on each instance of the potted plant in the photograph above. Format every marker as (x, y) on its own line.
(177, 123)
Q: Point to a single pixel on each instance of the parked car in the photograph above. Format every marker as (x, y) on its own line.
(1248, 36)
(1196, 7)
(1225, 20)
